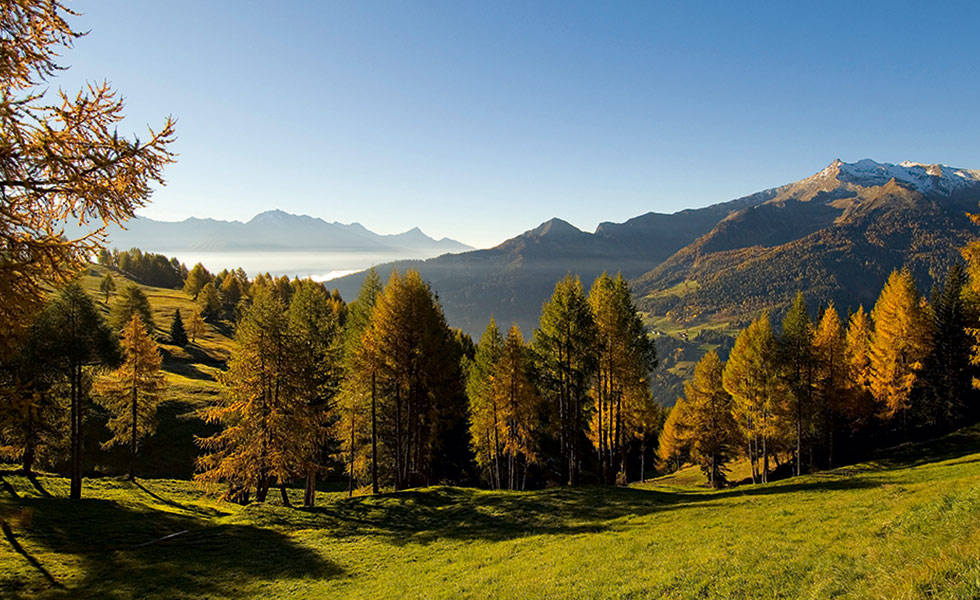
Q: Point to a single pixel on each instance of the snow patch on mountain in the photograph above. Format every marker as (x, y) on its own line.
(925, 178)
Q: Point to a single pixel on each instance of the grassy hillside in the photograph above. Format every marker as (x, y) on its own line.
(904, 526)
(191, 385)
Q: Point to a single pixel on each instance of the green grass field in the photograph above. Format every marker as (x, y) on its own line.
(904, 526)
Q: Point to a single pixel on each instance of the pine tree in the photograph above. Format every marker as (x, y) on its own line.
(620, 390)
(485, 416)
(752, 377)
(673, 447)
(195, 326)
(178, 336)
(830, 375)
(713, 433)
(564, 347)
(796, 346)
(73, 338)
(131, 301)
(107, 285)
(131, 393)
(899, 344)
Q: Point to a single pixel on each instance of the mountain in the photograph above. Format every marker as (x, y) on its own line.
(272, 231)
(835, 236)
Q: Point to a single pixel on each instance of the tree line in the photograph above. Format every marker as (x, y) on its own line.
(829, 391)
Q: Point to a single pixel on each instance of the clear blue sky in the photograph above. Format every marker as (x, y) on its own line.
(480, 120)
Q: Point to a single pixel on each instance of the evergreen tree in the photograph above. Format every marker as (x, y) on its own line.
(519, 404)
(74, 338)
(752, 377)
(131, 301)
(131, 393)
(231, 292)
(947, 372)
(620, 390)
(564, 347)
(107, 285)
(209, 303)
(899, 344)
(178, 336)
(195, 326)
(485, 416)
(796, 345)
(859, 401)
(713, 433)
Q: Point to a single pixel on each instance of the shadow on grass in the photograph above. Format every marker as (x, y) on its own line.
(8, 533)
(424, 516)
(123, 552)
(206, 512)
(912, 454)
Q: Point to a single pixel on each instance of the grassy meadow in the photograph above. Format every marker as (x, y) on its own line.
(904, 526)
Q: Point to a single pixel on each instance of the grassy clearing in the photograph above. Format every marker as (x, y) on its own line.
(905, 526)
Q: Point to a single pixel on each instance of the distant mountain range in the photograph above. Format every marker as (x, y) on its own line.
(273, 231)
(834, 236)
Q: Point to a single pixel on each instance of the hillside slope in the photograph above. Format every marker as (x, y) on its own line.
(904, 526)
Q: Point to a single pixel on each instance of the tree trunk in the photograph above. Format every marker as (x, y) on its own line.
(285, 496)
(30, 445)
(374, 435)
(309, 494)
(350, 481)
(75, 491)
(132, 440)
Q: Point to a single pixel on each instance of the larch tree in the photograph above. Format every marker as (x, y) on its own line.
(196, 279)
(752, 377)
(859, 401)
(519, 408)
(131, 393)
(131, 301)
(357, 426)
(899, 346)
(107, 285)
(712, 432)
(830, 375)
(316, 368)
(620, 389)
(796, 352)
(73, 339)
(256, 447)
(485, 418)
(673, 446)
(195, 326)
(209, 303)
(565, 353)
(62, 162)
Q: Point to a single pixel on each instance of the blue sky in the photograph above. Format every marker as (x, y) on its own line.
(480, 120)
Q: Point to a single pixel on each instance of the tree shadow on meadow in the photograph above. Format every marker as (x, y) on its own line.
(424, 516)
(124, 552)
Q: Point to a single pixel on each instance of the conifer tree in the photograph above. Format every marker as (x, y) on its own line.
(899, 344)
(107, 285)
(859, 401)
(178, 335)
(209, 303)
(752, 377)
(830, 375)
(482, 381)
(195, 326)
(673, 446)
(131, 301)
(316, 371)
(73, 338)
(357, 427)
(947, 372)
(796, 346)
(713, 433)
(256, 447)
(131, 392)
(564, 347)
(231, 292)
(626, 355)
(519, 402)
(197, 278)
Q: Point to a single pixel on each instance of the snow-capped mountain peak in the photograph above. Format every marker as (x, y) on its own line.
(925, 178)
